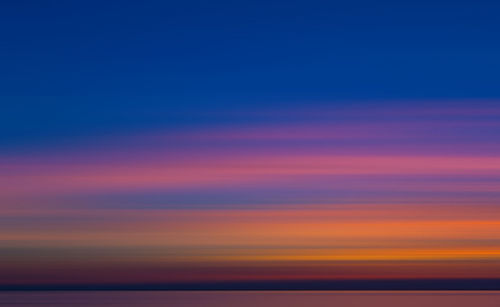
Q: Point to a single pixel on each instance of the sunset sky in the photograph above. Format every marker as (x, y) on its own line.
(200, 142)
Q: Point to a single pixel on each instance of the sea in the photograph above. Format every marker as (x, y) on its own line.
(251, 298)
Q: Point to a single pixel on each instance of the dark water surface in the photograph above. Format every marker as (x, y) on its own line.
(249, 298)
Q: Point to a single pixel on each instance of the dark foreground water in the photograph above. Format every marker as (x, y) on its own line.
(250, 298)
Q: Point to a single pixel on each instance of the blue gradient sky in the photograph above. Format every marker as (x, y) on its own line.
(79, 69)
(201, 141)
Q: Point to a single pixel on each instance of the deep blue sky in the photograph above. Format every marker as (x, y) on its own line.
(73, 69)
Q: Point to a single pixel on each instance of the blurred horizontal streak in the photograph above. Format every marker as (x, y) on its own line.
(403, 193)
(232, 172)
(321, 233)
(129, 271)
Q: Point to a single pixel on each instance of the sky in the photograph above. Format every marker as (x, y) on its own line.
(260, 143)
